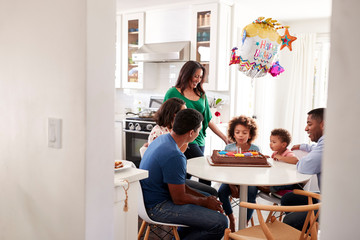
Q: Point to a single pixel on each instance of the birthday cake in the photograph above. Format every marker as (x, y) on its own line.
(234, 158)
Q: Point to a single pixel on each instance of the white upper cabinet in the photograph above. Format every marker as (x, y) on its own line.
(132, 39)
(210, 44)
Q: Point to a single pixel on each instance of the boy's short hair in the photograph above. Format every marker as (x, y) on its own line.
(245, 121)
(283, 134)
(186, 120)
(317, 114)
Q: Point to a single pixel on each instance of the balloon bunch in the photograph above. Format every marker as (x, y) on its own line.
(259, 46)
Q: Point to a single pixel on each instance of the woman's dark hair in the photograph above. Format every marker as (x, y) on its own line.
(245, 121)
(185, 76)
(186, 120)
(283, 134)
(165, 115)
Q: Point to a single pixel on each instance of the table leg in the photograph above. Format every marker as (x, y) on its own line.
(243, 211)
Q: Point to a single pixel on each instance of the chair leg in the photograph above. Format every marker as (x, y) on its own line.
(142, 228)
(147, 233)
(226, 235)
(269, 217)
(175, 232)
(281, 215)
(252, 221)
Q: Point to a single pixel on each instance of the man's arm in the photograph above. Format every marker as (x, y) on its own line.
(181, 194)
(311, 163)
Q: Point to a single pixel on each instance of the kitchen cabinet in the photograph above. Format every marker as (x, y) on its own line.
(211, 43)
(132, 39)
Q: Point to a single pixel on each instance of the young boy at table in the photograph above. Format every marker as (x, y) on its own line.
(279, 141)
(243, 131)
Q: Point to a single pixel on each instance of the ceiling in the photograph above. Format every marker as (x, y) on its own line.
(282, 9)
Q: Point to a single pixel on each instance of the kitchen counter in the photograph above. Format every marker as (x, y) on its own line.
(126, 182)
(130, 174)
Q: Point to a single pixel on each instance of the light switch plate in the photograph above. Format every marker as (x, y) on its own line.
(54, 132)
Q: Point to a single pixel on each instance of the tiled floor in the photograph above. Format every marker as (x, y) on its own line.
(159, 234)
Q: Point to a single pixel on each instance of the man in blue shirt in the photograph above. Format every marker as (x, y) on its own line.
(166, 197)
(309, 164)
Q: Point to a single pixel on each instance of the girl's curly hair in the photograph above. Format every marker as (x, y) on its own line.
(245, 121)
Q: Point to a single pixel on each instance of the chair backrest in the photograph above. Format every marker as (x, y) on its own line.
(141, 205)
(142, 151)
(141, 208)
(144, 216)
(310, 225)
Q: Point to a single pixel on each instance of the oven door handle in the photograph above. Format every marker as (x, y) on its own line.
(132, 131)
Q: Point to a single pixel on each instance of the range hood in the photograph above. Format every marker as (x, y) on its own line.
(163, 52)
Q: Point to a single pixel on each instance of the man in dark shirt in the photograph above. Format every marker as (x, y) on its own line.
(166, 197)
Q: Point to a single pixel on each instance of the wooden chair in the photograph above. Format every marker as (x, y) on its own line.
(276, 201)
(273, 229)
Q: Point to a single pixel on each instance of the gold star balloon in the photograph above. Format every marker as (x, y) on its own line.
(287, 40)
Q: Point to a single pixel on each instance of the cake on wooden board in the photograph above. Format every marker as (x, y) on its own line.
(246, 158)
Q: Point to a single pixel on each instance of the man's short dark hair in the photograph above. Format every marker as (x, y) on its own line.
(186, 120)
(317, 114)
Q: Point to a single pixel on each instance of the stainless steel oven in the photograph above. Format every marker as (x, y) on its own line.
(136, 132)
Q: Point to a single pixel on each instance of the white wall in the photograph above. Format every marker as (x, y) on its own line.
(46, 71)
(341, 210)
(99, 113)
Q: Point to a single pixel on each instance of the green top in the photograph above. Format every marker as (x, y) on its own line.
(200, 105)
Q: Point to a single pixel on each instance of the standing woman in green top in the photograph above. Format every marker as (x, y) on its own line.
(188, 87)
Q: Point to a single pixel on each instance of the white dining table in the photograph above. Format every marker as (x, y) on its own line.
(279, 173)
